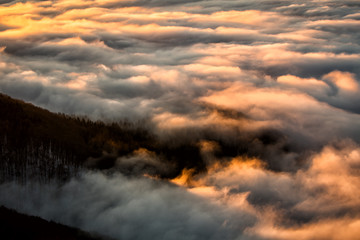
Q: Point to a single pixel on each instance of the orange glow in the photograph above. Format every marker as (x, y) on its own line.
(344, 80)
(185, 179)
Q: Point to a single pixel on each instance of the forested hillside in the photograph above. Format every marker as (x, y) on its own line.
(41, 145)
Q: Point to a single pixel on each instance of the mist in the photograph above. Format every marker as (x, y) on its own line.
(251, 109)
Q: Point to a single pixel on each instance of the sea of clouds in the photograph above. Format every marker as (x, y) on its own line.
(242, 69)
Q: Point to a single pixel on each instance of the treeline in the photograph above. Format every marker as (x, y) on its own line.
(38, 144)
(36, 160)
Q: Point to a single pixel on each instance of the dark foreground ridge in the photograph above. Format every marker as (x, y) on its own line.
(14, 225)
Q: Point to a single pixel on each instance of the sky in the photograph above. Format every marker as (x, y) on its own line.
(240, 69)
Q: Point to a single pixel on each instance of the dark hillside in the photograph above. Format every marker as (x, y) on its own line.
(23, 121)
(37, 143)
(14, 225)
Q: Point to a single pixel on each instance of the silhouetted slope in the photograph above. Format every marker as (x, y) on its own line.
(55, 145)
(23, 121)
(14, 225)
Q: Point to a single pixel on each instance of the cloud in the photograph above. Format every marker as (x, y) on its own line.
(300, 205)
(339, 89)
(276, 82)
(284, 109)
(119, 207)
(110, 33)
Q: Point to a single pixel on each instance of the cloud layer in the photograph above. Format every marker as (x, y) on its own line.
(275, 83)
(136, 59)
